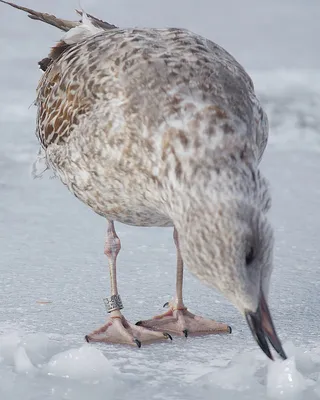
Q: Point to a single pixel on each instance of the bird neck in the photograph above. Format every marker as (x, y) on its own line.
(232, 187)
(205, 230)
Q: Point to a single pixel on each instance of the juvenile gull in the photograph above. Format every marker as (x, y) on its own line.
(161, 127)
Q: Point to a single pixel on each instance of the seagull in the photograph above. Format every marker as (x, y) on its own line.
(162, 127)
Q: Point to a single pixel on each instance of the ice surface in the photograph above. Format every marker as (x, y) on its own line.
(248, 373)
(37, 347)
(8, 345)
(284, 380)
(237, 376)
(291, 99)
(62, 374)
(85, 363)
(51, 245)
(22, 363)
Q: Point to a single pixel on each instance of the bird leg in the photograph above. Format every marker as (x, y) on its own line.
(178, 320)
(118, 329)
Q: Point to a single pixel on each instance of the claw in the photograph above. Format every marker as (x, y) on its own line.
(185, 331)
(167, 335)
(137, 342)
(87, 338)
(138, 323)
(230, 329)
(166, 304)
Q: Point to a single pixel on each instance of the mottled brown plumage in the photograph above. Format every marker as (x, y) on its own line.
(129, 98)
(161, 127)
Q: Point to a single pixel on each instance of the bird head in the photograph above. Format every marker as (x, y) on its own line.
(232, 250)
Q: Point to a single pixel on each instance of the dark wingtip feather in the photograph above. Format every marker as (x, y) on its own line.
(62, 24)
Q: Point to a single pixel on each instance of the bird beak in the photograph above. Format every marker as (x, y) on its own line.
(262, 328)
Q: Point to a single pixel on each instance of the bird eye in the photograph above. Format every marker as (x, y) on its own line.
(249, 256)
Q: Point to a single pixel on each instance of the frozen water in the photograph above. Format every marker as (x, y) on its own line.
(306, 361)
(249, 375)
(85, 363)
(284, 380)
(53, 272)
(22, 363)
(37, 347)
(291, 100)
(8, 345)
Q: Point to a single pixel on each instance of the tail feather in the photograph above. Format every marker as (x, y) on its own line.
(76, 30)
(62, 24)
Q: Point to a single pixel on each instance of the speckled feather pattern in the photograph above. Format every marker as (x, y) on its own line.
(161, 127)
(151, 106)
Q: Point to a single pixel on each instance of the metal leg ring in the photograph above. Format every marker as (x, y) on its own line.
(113, 303)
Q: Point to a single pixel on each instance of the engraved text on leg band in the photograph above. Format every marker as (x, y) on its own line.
(113, 303)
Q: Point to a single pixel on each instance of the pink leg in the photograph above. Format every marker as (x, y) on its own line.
(118, 329)
(178, 320)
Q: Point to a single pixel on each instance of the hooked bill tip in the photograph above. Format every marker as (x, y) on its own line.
(263, 330)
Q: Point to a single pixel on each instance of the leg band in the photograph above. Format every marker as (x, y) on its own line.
(113, 303)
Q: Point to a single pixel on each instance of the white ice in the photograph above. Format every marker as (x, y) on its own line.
(53, 274)
(85, 363)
